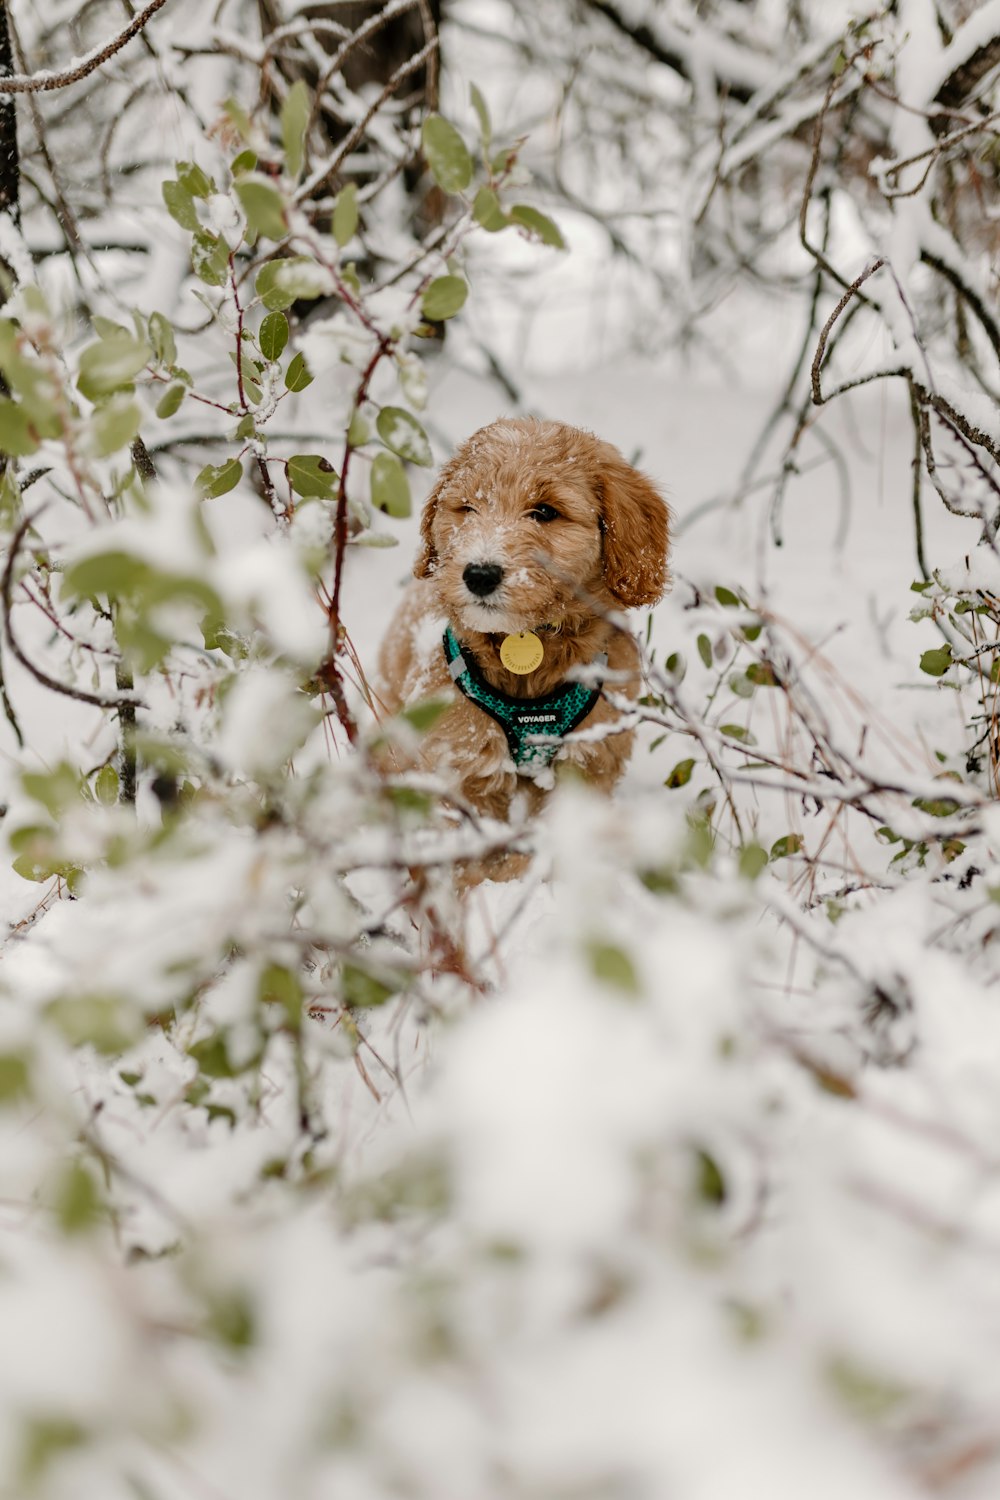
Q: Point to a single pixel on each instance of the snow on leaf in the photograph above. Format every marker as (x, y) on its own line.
(401, 432)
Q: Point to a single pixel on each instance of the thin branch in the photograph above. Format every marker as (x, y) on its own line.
(99, 700)
(918, 473)
(818, 398)
(45, 81)
(329, 169)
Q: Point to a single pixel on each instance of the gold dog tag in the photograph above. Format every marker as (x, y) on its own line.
(521, 653)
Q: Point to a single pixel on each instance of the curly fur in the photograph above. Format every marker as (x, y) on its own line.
(606, 550)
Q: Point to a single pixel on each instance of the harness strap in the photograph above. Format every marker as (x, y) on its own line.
(534, 727)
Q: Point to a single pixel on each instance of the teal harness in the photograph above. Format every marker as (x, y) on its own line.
(534, 726)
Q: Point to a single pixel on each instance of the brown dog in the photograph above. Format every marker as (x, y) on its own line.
(533, 534)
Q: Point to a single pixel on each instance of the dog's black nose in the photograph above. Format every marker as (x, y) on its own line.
(482, 578)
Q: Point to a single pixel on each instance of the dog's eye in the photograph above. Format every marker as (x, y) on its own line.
(544, 513)
(466, 510)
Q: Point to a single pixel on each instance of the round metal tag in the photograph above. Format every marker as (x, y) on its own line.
(521, 653)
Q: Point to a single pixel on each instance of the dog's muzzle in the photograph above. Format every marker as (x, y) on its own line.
(482, 578)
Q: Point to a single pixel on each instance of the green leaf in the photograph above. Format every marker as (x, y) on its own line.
(273, 335)
(613, 966)
(681, 774)
(938, 807)
(113, 573)
(10, 499)
(106, 786)
(936, 662)
(238, 117)
(390, 490)
(312, 476)
(107, 328)
(867, 1394)
(29, 379)
(219, 479)
(425, 714)
(180, 205)
(161, 336)
(404, 435)
(212, 1057)
(245, 162)
(359, 988)
(752, 860)
(106, 1022)
(114, 424)
(538, 224)
(210, 259)
(14, 1077)
(297, 376)
(444, 298)
(705, 649)
(409, 800)
(295, 114)
(483, 115)
(44, 1440)
(17, 436)
(741, 685)
(194, 180)
(263, 205)
(728, 598)
(55, 790)
(700, 839)
(360, 429)
(345, 214)
(737, 732)
(232, 1319)
(487, 212)
(447, 154)
(110, 364)
(710, 1183)
(762, 674)
(170, 400)
(30, 868)
(792, 843)
(77, 1201)
(280, 986)
(293, 277)
(504, 160)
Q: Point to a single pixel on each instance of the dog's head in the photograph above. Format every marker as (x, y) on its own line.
(530, 518)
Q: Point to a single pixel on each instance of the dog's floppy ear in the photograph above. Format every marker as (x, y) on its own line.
(426, 560)
(635, 522)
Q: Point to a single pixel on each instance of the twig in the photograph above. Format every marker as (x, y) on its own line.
(99, 700)
(852, 291)
(45, 82)
(330, 168)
